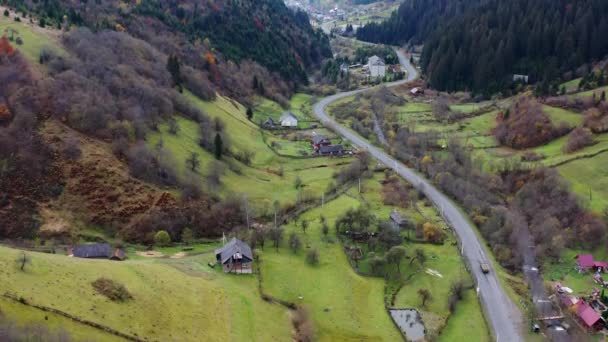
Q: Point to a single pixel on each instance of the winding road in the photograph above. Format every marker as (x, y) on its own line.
(504, 317)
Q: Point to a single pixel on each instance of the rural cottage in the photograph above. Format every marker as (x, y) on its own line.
(235, 257)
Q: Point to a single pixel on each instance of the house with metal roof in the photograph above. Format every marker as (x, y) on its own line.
(235, 256)
(288, 120)
(376, 66)
(331, 150)
(97, 251)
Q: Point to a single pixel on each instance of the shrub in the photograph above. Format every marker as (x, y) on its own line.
(578, 139)
(111, 289)
(312, 257)
(162, 238)
(525, 124)
(6, 13)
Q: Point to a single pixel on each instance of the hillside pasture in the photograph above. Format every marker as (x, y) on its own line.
(34, 38)
(167, 304)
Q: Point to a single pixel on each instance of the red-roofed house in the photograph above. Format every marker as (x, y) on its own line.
(600, 266)
(586, 313)
(584, 262)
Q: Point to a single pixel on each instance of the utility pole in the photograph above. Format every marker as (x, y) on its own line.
(323, 200)
(359, 184)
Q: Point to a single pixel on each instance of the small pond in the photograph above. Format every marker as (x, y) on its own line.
(410, 323)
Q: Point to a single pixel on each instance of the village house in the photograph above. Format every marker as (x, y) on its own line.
(288, 120)
(588, 316)
(520, 78)
(376, 66)
(97, 251)
(235, 257)
(586, 263)
(319, 140)
(331, 150)
(344, 68)
(397, 221)
(417, 91)
(268, 123)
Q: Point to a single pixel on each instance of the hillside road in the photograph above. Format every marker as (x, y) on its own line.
(503, 316)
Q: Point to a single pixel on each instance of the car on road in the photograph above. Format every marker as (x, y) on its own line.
(485, 267)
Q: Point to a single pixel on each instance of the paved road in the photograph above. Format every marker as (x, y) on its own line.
(504, 317)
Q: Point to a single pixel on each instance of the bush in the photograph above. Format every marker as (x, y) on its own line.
(312, 257)
(577, 139)
(112, 290)
(162, 238)
(6, 13)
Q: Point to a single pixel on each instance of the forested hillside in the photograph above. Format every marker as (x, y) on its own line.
(414, 21)
(228, 42)
(483, 43)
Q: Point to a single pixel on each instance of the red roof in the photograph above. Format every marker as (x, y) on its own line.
(601, 264)
(587, 314)
(584, 260)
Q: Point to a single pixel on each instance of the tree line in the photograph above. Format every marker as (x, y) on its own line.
(480, 45)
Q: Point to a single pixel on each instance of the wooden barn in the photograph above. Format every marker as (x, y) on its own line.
(235, 257)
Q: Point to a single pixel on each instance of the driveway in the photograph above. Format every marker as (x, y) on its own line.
(503, 316)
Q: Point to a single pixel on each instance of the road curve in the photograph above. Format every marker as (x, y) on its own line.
(504, 317)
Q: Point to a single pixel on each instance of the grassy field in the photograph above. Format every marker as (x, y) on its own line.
(261, 180)
(589, 177)
(172, 300)
(559, 115)
(343, 305)
(56, 324)
(34, 38)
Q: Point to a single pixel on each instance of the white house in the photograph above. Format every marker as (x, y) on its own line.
(520, 78)
(376, 66)
(288, 120)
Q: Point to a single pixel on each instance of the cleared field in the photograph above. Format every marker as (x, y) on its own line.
(172, 301)
(34, 38)
(571, 85)
(559, 115)
(589, 179)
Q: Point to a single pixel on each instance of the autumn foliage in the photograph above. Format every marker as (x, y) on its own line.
(525, 124)
(5, 47)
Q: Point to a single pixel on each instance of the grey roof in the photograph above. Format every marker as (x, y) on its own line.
(396, 217)
(98, 250)
(317, 139)
(331, 149)
(235, 248)
(288, 115)
(375, 60)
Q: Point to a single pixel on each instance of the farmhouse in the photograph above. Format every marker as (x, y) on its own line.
(268, 123)
(586, 263)
(288, 120)
(97, 251)
(331, 150)
(376, 66)
(319, 140)
(589, 317)
(235, 257)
